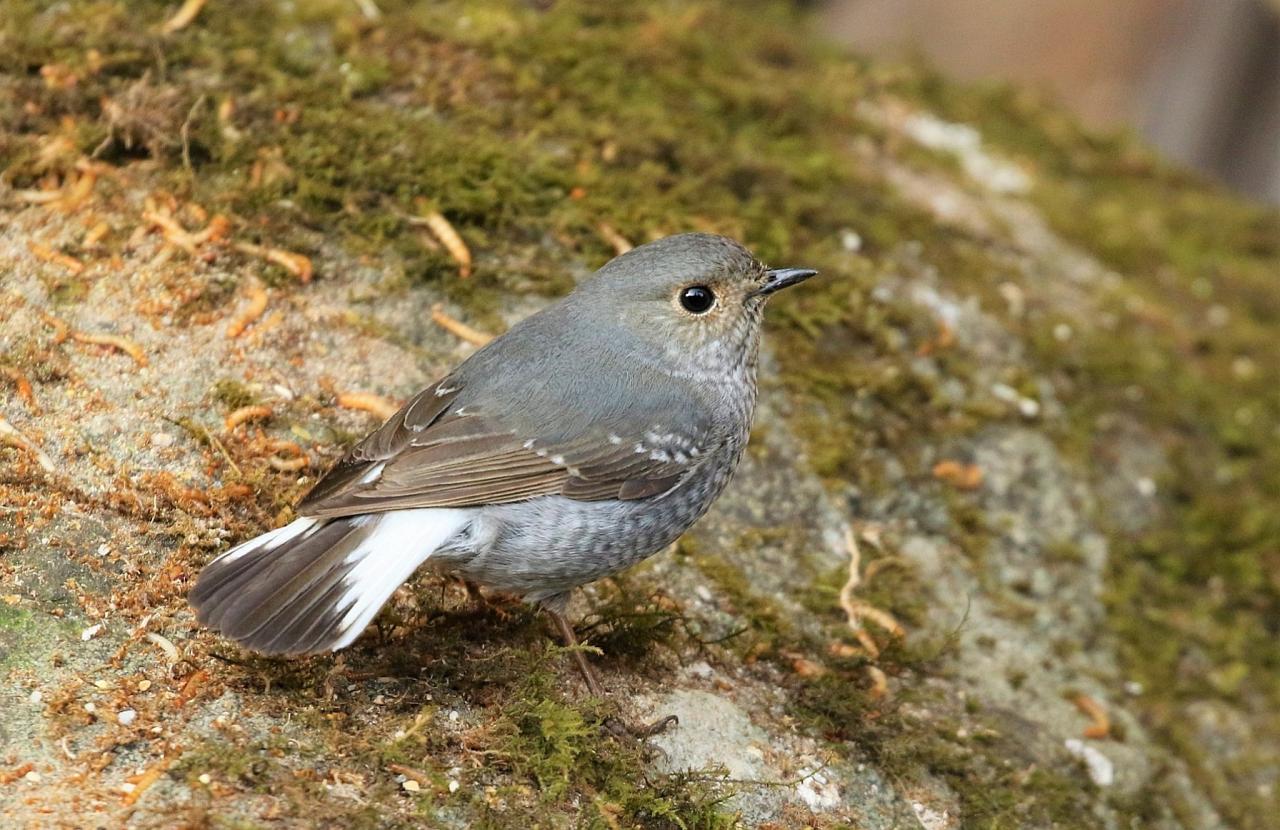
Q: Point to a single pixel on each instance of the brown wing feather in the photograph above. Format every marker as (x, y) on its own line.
(430, 455)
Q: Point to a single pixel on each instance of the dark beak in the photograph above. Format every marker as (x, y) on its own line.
(777, 278)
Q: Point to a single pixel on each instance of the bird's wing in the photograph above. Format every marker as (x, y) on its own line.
(434, 453)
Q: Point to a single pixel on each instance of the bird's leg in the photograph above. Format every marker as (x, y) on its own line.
(611, 724)
(571, 641)
(478, 601)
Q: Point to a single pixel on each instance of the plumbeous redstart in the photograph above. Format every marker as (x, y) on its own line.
(585, 439)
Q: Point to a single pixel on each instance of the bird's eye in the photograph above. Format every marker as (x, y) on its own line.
(697, 299)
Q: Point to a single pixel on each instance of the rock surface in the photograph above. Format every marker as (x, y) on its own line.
(1004, 550)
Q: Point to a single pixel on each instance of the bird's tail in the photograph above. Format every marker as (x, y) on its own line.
(315, 584)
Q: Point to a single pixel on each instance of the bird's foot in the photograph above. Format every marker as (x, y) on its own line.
(618, 728)
(480, 602)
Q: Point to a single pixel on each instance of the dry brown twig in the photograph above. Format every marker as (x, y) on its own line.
(879, 682)
(183, 17)
(246, 413)
(1101, 726)
(449, 237)
(857, 610)
(37, 196)
(368, 402)
(139, 783)
(165, 644)
(959, 475)
(94, 235)
(9, 434)
(458, 328)
(296, 264)
(299, 461)
(73, 192)
(61, 331)
(257, 305)
(46, 254)
(23, 387)
(424, 779)
(189, 241)
(191, 687)
(619, 242)
(115, 341)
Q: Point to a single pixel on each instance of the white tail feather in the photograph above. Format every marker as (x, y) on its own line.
(399, 542)
(270, 540)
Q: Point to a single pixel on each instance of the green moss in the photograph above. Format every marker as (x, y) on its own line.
(266, 768)
(627, 631)
(559, 748)
(233, 394)
(766, 624)
(27, 639)
(1185, 251)
(15, 619)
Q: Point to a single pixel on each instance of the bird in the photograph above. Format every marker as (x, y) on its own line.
(588, 437)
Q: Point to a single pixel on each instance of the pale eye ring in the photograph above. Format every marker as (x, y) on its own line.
(697, 299)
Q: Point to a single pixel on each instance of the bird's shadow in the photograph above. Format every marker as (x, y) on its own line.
(445, 641)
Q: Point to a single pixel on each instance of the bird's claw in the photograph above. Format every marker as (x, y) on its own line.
(618, 728)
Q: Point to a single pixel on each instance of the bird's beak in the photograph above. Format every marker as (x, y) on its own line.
(777, 278)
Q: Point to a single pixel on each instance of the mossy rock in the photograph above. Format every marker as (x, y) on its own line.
(1035, 386)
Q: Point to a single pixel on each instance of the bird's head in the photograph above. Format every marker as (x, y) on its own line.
(695, 295)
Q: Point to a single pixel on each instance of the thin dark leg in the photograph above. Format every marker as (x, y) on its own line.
(611, 724)
(571, 640)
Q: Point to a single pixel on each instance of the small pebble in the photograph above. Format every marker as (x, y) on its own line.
(454, 716)
(204, 778)
(1062, 332)
(90, 707)
(33, 777)
(161, 440)
(411, 786)
(453, 786)
(703, 592)
(127, 787)
(37, 696)
(1101, 771)
(1146, 487)
(1005, 392)
(126, 716)
(90, 632)
(143, 685)
(850, 241)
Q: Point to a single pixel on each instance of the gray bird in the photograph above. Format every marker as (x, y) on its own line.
(585, 439)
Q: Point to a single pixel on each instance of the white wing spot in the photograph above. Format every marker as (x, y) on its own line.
(558, 460)
(614, 439)
(528, 445)
(373, 474)
(441, 391)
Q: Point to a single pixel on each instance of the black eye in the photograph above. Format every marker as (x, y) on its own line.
(697, 299)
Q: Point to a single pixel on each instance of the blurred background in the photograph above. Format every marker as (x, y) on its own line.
(1200, 79)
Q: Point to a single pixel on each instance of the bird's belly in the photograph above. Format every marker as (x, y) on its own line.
(547, 546)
